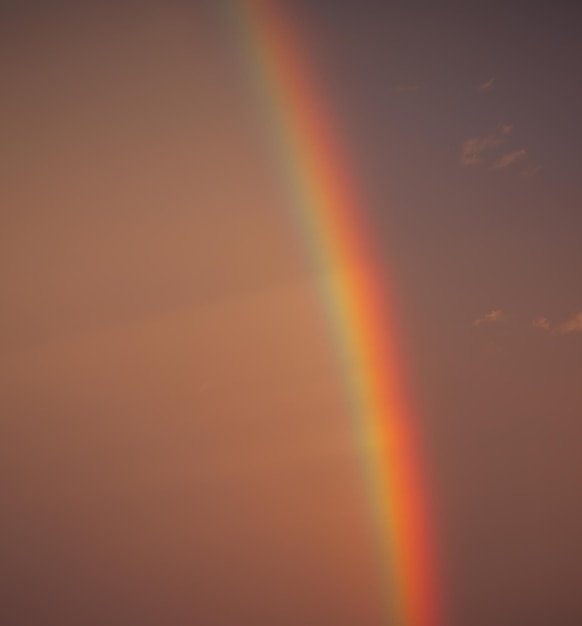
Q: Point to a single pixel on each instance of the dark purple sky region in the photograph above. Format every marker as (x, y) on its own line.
(501, 399)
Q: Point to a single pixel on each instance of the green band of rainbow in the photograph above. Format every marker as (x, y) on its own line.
(357, 309)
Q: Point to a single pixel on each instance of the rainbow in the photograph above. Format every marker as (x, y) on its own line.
(329, 215)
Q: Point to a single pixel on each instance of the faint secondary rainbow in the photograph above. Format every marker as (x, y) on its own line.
(331, 219)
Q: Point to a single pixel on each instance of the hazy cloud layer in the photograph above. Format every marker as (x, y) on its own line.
(508, 159)
(474, 148)
(487, 85)
(573, 325)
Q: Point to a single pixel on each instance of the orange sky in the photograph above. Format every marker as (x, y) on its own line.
(175, 448)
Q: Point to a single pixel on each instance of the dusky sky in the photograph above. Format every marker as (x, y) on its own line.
(174, 448)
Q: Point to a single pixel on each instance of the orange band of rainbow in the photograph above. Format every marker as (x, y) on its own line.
(356, 305)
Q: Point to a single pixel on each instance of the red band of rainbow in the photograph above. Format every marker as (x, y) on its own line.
(357, 308)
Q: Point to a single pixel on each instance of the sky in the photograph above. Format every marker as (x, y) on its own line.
(175, 445)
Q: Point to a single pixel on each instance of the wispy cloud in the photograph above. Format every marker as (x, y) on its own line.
(541, 322)
(407, 87)
(474, 148)
(573, 325)
(489, 318)
(508, 159)
(487, 85)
